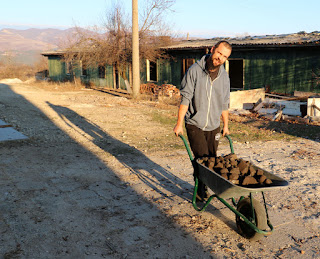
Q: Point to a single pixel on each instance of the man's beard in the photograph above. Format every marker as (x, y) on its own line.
(210, 64)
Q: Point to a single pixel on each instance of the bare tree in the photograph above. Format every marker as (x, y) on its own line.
(113, 43)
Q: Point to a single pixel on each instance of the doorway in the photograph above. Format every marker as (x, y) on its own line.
(236, 73)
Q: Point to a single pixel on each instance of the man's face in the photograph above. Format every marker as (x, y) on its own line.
(220, 55)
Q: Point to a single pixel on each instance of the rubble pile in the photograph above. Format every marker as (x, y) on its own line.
(236, 170)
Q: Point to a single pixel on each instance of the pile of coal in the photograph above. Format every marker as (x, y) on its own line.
(236, 170)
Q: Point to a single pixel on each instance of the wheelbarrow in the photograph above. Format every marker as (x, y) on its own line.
(252, 217)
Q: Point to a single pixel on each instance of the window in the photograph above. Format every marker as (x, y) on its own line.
(102, 71)
(152, 71)
(186, 63)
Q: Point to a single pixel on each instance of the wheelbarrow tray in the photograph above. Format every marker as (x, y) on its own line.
(226, 189)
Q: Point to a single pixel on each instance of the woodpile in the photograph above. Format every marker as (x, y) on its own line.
(160, 90)
(235, 170)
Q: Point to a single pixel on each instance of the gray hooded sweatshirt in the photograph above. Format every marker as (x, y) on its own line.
(205, 98)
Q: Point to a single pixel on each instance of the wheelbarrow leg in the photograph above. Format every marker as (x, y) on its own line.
(194, 198)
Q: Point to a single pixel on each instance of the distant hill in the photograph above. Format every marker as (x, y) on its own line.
(25, 46)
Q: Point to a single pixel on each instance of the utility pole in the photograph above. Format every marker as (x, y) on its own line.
(135, 51)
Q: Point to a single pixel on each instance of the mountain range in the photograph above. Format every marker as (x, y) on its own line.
(25, 46)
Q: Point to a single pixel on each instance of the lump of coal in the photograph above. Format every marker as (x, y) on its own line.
(233, 163)
(242, 165)
(231, 156)
(248, 180)
(219, 165)
(235, 171)
(252, 170)
(234, 176)
(259, 172)
(235, 182)
(268, 181)
(262, 179)
(210, 164)
(225, 176)
(224, 171)
(212, 160)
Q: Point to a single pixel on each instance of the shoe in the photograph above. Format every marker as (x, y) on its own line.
(202, 193)
(202, 199)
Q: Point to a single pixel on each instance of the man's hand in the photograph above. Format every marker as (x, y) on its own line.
(178, 129)
(225, 131)
(225, 119)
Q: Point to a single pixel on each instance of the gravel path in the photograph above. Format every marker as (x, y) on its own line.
(86, 185)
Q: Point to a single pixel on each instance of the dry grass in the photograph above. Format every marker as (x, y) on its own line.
(249, 128)
(58, 86)
(23, 72)
(10, 69)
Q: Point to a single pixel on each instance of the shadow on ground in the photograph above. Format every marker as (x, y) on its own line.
(58, 199)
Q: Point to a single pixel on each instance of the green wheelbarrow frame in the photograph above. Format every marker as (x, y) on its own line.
(223, 189)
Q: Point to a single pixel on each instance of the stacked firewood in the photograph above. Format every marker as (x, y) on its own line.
(164, 90)
(235, 170)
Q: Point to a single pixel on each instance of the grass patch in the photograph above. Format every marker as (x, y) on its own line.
(246, 132)
(164, 117)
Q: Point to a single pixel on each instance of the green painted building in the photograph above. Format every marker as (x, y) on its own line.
(280, 63)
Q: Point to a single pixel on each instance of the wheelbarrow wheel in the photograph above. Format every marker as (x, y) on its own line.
(260, 218)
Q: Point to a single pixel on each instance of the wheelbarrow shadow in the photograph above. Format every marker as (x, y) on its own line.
(159, 179)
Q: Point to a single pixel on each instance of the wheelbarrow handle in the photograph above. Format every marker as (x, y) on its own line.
(187, 146)
(189, 151)
(230, 143)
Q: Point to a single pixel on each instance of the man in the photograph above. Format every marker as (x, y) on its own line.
(205, 92)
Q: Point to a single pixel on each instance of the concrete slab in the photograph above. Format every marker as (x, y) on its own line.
(240, 99)
(7, 134)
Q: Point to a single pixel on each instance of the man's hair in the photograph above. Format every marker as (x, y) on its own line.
(224, 43)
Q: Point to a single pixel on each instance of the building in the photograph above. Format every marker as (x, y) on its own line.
(279, 63)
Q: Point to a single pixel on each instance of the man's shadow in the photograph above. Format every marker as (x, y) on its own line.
(150, 173)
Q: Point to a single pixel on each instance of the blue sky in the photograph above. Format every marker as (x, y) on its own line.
(206, 18)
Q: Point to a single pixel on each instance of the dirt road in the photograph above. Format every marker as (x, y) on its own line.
(86, 185)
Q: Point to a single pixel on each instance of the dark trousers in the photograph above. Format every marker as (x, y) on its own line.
(202, 143)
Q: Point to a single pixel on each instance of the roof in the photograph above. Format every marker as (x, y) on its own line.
(285, 40)
(292, 40)
(53, 53)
